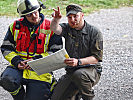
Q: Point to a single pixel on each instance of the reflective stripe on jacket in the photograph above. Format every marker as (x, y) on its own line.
(22, 43)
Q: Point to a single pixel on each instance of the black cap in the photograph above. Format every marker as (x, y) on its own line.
(73, 9)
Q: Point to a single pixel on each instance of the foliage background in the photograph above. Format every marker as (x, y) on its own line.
(8, 7)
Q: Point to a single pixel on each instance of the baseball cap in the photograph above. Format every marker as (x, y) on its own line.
(73, 9)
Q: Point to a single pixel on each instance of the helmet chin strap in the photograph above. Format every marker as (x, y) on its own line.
(42, 5)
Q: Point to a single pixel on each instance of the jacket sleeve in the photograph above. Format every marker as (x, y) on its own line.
(8, 48)
(55, 43)
(97, 44)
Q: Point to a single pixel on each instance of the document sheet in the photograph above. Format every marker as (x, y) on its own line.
(49, 63)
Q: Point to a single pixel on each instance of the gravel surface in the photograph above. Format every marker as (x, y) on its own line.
(117, 77)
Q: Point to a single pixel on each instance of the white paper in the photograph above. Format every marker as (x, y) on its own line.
(49, 63)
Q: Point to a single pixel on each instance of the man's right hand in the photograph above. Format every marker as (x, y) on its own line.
(57, 13)
(57, 29)
(24, 65)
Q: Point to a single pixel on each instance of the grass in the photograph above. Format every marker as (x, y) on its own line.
(8, 7)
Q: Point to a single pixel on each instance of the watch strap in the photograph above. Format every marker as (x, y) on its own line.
(79, 62)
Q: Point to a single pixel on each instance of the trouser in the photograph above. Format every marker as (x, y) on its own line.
(80, 82)
(12, 81)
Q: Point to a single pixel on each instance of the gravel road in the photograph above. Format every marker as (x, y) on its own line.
(117, 77)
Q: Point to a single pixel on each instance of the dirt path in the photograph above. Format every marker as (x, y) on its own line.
(117, 77)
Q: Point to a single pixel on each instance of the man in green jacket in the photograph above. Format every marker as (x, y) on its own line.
(84, 44)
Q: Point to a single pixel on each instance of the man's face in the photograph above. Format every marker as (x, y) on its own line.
(75, 20)
(33, 17)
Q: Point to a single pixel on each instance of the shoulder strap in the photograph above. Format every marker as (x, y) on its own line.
(17, 26)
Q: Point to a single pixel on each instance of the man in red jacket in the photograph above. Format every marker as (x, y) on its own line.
(28, 38)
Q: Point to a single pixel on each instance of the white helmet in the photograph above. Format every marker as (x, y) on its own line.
(25, 7)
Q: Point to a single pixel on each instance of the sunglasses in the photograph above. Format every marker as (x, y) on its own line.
(30, 14)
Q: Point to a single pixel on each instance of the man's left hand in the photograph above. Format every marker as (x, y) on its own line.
(71, 62)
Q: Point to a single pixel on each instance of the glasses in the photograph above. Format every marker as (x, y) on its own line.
(30, 14)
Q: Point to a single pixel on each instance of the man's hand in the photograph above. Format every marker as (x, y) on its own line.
(24, 65)
(71, 62)
(57, 13)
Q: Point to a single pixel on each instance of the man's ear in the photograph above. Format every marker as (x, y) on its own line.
(82, 14)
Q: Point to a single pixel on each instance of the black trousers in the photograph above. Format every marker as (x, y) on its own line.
(12, 80)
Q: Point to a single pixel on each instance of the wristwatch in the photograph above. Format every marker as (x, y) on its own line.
(79, 62)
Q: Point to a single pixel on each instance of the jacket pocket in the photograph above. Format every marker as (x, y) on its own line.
(40, 43)
(21, 42)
